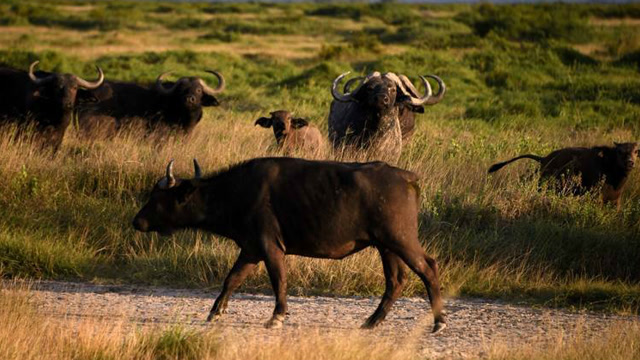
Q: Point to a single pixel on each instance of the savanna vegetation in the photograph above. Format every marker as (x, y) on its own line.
(524, 78)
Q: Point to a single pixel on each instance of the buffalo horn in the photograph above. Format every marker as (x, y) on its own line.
(32, 76)
(90, 85)
(422, 100)
(196, 169)
(342, 97)
(161, 89)
(221, 84)
(168, 181)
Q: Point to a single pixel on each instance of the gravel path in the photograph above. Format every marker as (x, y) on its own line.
(473, 324)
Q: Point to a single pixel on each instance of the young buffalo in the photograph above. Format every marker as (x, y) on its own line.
(613, 164)
(272, 207)
(293, 133)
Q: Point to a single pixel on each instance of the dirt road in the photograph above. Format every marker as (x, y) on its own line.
(473, 323)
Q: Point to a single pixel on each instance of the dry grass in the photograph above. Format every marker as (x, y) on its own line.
(80, 339)
(27, 334)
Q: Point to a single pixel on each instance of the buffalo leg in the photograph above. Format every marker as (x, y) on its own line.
(426, 268)
(242, 267)
(274, 260)
(395, 276)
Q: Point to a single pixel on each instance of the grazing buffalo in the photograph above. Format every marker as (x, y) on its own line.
(175, 105)
(271, 207)
(379, 113)
(611, 164)
(293, 133)
(46, 100)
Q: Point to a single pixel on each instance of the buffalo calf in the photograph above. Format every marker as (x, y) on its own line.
(271, 207)
(613, 164)
(293, 133)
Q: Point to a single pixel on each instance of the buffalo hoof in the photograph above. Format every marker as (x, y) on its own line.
(438, 327)
(369, 324)
(275, 322)
(213, 317)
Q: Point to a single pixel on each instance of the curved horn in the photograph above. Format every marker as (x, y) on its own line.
(168, 181)
(196, 169)
(160, 88)
(347, 97)
(90, 85)
(33, 77)
(350, 82)
(442, 89)
(422, 100)
(221, 84)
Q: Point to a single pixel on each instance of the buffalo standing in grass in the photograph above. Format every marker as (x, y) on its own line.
(611, 164)
(47, 100)
(379, 114)
(271, 207)
(176, 105)
(293, 133)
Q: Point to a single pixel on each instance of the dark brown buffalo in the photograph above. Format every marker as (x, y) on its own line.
(293, 133)
(176, 105)
(272, 207)
(46, 100)
(379, 114)
(611, 164)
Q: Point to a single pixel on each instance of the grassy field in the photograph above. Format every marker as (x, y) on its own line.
(525, 78)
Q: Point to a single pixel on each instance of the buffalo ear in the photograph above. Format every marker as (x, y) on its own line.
(417, 109)
(264, 122)
(208, 100)
(86, 97)
(184, 191)
(401, 98)
(298, 123)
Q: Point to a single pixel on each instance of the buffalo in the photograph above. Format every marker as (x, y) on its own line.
(293, 133)
(593, 165)
(45, 99)
(272, 207)
(379, 114)
(173, 105)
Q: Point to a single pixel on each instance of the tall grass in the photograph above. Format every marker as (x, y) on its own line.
(68, 217)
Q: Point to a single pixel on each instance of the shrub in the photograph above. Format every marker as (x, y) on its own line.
(536, 23)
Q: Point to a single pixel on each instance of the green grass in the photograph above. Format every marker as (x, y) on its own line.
(515, 88)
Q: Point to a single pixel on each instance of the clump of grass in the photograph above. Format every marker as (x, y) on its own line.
(615, 343)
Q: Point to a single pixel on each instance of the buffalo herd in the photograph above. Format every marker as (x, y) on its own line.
(271, 207)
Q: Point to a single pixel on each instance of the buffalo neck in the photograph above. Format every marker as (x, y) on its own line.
(225, 197)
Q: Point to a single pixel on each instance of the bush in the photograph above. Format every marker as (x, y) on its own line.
(535, 23)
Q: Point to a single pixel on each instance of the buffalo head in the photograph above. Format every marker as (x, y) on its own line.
(187, 96)
(282, 122)
(61, 89)
(383, 91)
(53, 99)
(167, 208)
(378, 113)
(626, 155)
